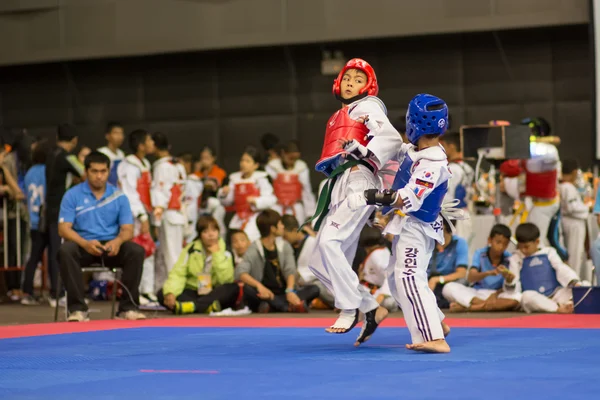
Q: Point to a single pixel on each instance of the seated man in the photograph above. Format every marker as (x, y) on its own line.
(487, 273)
(304, 247)
(269, 271)
(96, 224)
(448, 264)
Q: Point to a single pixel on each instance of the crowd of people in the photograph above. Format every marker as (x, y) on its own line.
(192, 238)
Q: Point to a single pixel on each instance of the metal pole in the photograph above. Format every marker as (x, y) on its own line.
(19, 234)
(5, 229)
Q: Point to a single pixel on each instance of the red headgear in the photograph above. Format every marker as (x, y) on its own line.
(370, 88)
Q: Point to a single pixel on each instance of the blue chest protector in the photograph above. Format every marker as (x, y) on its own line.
(460, 193)
(113, 178)
(489, 282)
(432, 205)
(537, 274)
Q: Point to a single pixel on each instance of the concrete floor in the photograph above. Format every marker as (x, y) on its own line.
(16, 314)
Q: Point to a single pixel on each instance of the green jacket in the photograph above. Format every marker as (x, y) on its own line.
(190, 264)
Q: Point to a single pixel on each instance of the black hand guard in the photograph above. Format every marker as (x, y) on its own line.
(381, 198)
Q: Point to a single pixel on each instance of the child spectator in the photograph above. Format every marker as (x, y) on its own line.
(209, 168)
(544, 280)
(114, 140)
(574, 216)
(191, 197)
(372, 271)
(269, 271)
(304, 246)
(487, 272)
(202, 279)
(239, 245)
(249, 191)
(448, 263)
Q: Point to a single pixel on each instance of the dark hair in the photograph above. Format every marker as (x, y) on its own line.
(187, 157)
(265, 220)
(569, 166)
(370, 237)
(160, 141)
(290, 223)
(205, 222)
(452, 138)
(235, 232)
(291, 147)
(253, 153)
(269, 141)
(111, 125)
(210, 150)
(500, 229)
(136, 138)
(527, 232)
(40, 152)
(66, 133)
(96, 157)
(447, 226)
(21, 146)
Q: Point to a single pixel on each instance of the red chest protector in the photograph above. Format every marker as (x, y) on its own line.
(339, 126)
(287, 188)
(541, 184)
(241, 192)
(143, 188)
(176, 196)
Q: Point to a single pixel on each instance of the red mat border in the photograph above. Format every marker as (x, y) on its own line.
(548, 321)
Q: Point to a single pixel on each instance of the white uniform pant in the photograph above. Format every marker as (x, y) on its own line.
(457, 293)
(541, 217)
(171, 242)
(533, 301)
(248, 226)
(331, 262)
(297, 210)
(147, 281)
(574, 232)
(407, 278)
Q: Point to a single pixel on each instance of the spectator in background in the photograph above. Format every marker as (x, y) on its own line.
(291, 183)
(61, 169)
(461, 182)
(202, 279)
(167, 193)
(209, 168)
(97, 227)
(539, 274)
(269, 271)
(35, 184)
(488, 270)
(249, 191)
(304, 246)
(448, 263)
(135, 180)
(83, 152)
(191, 197)
(239, 245)
(270, 145)
(114, 140)
(15, 165)
(574, 216)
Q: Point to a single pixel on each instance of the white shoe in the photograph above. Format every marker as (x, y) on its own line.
(78, 316)
(29, 300)
(62, 302)
(131, 315)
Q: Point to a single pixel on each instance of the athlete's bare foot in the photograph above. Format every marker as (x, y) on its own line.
(435, 346)
(445, 329)
(455, 307)
(566, 308)
(347, 319)
(370, 324)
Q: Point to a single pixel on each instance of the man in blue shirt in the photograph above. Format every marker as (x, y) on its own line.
(97, 225)
(35, 185)
(448, 264)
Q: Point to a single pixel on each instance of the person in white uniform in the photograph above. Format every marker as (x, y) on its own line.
(168, 188)
(540, 275)
(291, 183)
(114, 139)
(135, 180)
(574, 216)
(191, 197)
(416, 199)
(369, 141)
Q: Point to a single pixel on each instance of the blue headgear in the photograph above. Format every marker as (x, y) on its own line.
(426, 115)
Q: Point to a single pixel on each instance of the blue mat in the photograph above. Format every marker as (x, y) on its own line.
(302, 363)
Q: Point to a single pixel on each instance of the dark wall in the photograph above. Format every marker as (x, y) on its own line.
(228, 99)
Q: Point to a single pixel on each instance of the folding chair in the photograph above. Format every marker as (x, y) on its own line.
(95, 268)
